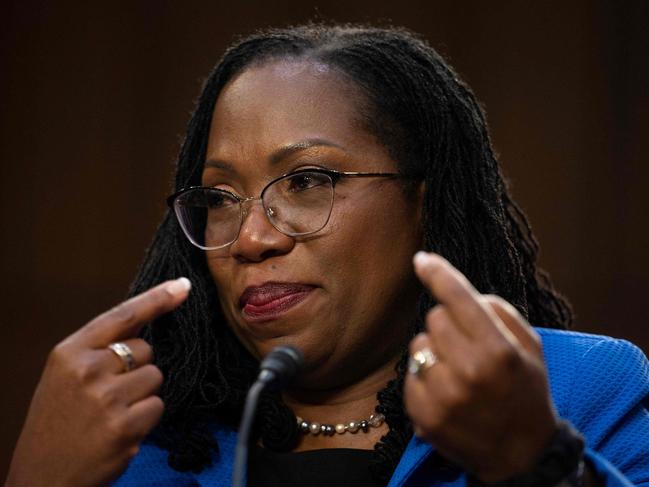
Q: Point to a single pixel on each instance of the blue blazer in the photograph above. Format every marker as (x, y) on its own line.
(599, 384)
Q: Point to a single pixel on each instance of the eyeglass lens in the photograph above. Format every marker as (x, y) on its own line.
(297, 204)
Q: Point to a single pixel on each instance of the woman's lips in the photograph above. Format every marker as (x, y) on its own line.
(265, 302)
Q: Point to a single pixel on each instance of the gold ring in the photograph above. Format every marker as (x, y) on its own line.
(421, 360)
(125, 354)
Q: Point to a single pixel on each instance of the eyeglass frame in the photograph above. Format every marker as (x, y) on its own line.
(333, 174)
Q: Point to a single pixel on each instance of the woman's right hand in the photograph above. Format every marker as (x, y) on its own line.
(88, 416)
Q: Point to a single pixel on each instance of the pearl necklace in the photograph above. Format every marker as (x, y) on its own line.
(314, 428)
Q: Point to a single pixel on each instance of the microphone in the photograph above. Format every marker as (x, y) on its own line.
(280, 366)
(276, 370)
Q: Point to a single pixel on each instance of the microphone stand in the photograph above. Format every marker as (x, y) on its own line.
(244, 433)
(277, 369)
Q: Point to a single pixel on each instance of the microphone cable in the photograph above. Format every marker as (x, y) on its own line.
(276, 370)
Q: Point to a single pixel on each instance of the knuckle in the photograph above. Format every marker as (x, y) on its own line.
(60, 353)
(156, 409)
(491, 371)
(503, 307)
(159, 297)
(157, 405)
(123, 312)
(419, 341)
(474, 373)
(506, 356)
(117, 431)
(455, 398)
(146, 350)
(481, 374)
(537, 343)
(154, 373)
(435, 316)
(106, 396)
(441, 326)
(159, 376)
(86, 368)
(493, 299)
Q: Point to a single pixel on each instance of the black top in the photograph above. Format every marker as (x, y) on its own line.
(337, 467)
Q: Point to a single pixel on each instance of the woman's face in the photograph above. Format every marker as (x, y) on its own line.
(346, 294)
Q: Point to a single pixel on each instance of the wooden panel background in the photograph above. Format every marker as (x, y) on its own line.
(95, 97)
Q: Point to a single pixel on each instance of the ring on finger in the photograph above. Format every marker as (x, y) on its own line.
(125, 354)
(421, 360)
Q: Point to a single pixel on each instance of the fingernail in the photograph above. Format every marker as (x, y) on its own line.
(421, 258)
(179, 286)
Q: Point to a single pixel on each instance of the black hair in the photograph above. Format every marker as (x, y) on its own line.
(429, 120)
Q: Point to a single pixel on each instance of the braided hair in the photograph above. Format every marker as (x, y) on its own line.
(433, 127)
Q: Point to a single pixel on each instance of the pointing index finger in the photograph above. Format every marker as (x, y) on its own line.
(451, 288)
(126, 319)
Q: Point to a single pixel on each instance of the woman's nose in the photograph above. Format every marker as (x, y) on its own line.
(258, 238)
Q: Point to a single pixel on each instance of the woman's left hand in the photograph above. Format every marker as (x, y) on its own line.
(485, 402)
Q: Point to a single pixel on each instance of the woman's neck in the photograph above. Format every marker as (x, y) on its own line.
(350, 402)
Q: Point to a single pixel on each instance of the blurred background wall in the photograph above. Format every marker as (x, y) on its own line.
(95, 96)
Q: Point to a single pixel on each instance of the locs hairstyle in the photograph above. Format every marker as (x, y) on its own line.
(433, 127)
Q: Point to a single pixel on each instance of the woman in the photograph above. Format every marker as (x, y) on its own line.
(318, 162)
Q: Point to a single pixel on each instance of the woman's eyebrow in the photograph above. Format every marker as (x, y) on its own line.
(218, 164)
(290, 149)
(278, 155)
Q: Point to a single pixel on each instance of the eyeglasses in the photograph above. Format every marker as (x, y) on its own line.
(298, 203)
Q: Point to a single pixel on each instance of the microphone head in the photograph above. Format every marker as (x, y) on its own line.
(283, 363)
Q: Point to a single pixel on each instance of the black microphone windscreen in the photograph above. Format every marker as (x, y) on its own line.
(284, 362)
